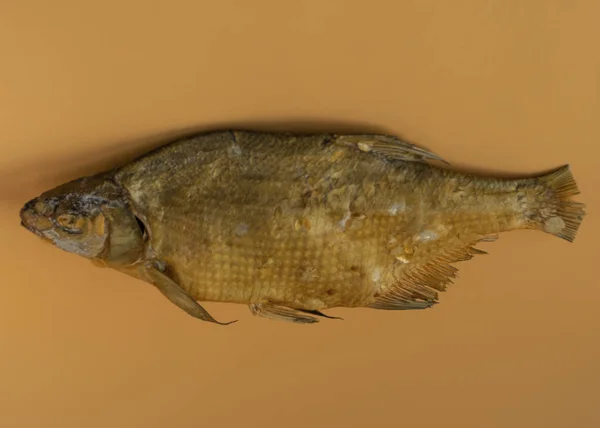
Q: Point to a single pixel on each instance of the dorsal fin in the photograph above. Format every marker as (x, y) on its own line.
(418, 282)
(388, 146)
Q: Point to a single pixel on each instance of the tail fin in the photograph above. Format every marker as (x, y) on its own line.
(561, 216)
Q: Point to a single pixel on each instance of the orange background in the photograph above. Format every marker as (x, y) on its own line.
(500, 86)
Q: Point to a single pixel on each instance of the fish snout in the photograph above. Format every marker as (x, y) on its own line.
(32, 217)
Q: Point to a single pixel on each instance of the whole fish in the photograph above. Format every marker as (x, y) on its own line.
(293, 224)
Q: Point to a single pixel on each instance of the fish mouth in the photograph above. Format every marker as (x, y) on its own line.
(31, 229)
(28, 227)
(26, 214)
(31, 220)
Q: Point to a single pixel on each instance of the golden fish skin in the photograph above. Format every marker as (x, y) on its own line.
(295, 224)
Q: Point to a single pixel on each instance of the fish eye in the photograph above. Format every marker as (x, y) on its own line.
(70, 222)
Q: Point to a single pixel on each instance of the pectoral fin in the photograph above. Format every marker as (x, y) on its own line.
(176, 294)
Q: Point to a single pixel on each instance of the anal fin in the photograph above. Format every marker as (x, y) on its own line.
(421, 279)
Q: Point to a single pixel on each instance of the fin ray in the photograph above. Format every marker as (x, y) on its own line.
(282, 313)
(567, 214)
(419, 283)
(319, 314)
(388, 146)
(172, 291)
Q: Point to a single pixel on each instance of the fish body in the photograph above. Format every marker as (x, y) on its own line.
(292, 225)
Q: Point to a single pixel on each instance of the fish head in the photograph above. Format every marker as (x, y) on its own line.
(88, 217)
